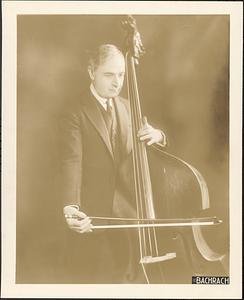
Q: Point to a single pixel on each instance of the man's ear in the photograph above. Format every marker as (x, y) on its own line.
(91, 73)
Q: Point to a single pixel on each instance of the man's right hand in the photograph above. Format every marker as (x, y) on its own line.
(77, 220)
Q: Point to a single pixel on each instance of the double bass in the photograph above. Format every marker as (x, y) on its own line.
(170, 195)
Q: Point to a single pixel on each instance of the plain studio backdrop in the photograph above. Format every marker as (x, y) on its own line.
(183, 83)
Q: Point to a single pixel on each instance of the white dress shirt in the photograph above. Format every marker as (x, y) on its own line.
(103, 101)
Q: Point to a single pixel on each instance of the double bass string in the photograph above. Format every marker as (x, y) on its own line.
(148, 196)
(146, 188)
(130, 90)
(148, 201)
(137, 163)
(137, 125)
(143, 173)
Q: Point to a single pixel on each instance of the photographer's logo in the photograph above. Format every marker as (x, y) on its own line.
(210, 280)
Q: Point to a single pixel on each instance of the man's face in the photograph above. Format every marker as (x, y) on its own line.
(108, 77)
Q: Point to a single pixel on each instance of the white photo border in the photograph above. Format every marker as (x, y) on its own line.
(10, 10)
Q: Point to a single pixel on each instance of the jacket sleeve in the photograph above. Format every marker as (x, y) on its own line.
(71, 159)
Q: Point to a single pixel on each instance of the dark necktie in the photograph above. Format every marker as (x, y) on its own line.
(111, 117)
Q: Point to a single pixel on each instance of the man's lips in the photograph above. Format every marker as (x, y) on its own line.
(114, 90)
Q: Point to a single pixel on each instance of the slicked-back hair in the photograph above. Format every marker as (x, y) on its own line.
(101, 54)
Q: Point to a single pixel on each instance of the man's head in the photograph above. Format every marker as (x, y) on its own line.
(106, 69)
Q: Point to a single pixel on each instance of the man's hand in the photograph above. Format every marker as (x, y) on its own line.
(150, 135)
(77, 220)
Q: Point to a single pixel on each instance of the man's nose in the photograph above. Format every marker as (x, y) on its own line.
(115, 81)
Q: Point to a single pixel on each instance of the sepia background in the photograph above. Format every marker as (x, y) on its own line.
(183, 82)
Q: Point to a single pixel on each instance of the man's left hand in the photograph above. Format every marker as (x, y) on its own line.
(151, 135)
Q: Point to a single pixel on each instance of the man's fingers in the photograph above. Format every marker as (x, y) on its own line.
(145, 137)
(69, 209)
(83, 228)
(70, 212)
(77, 220)
(78, 223)
(144, 131)
(145, 127)
(87, 228)
(80, 214)
(79, 230)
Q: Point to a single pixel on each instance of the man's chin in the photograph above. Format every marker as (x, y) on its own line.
(113, 94)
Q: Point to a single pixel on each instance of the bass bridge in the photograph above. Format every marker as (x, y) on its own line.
(156, 259)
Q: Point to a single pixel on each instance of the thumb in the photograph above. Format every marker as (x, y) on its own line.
(71, 210)
(79, 214)
(144, 121)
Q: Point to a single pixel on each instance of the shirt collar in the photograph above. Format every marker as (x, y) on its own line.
(101, 100)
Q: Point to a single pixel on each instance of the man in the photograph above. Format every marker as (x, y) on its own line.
(97, 146)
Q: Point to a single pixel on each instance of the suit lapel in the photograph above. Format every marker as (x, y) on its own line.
(95, 116)
(124, 122)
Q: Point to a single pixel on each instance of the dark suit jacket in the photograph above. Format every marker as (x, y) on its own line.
(89, 172)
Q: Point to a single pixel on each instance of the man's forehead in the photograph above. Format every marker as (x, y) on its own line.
(113, 63)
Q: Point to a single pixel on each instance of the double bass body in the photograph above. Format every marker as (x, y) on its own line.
(177, 195)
